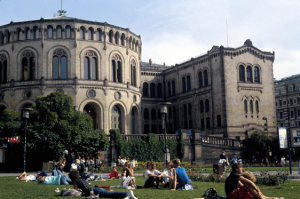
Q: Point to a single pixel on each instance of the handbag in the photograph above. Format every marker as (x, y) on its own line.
(211, 193)
(106, 187)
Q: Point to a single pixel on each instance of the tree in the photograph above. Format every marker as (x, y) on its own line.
(8, 122)
(54, 126)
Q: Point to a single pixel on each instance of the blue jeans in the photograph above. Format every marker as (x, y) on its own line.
(43, 172)
(106, 194)
(64, 179)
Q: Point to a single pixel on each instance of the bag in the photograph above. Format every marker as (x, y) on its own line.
(211, 193)
(106, 187)
(70, 192)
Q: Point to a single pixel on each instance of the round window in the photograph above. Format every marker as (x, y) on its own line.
(117, 95)
(27, 94)
(91, 93)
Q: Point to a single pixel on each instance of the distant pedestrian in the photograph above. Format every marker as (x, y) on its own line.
(69, 161)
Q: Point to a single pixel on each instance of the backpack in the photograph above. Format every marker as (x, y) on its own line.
(71, 192)
(211, 193)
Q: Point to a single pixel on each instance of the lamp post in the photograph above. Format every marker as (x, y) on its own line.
(26, 116)
(266, 129)
(164, 111)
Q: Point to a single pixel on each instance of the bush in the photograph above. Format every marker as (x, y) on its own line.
(272, 179)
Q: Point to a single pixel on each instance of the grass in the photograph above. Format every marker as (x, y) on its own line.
(10, 188)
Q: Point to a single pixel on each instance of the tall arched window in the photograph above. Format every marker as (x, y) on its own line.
(98, 35)
(7, 35)
(206, 105)
(81, 33)
(3, 69)
(28, 65)
(116, 68)
(1, 37)
(50, 32)
(145, 89)
(146, 113)
(153, 114)
(256, 74)
(123, 39)
(152, 90)
(241, 73)
(190, 116)
(207, 122)
(58, 32)
(90, 65)
(36, 32)
(257, 106)
(173, 87)
(205, 78)
(201, 106)
(188, 79)
(185, 123)
(28, 34)
(169, 89)
(251, 106)
(111, 36)
(133, 72)
(183, 85)
(20, 35)
(117, 37)
(130, 41)
(159, 90)
(200, 80)
(68, 32)
(245, 106)
(249, 74)
(90, 34)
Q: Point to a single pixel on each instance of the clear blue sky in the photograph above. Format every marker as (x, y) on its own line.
(173, 31)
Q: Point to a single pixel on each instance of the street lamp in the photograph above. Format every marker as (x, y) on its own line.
(164, 111)
(266, 129)
(26, 116)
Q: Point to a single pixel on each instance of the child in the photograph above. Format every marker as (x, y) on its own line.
(113, 175)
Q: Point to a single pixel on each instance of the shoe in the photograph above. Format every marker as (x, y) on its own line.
(130, 195)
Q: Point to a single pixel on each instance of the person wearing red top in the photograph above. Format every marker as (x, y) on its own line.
(113, 175)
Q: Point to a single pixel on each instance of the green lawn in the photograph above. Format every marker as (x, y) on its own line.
(10, 188)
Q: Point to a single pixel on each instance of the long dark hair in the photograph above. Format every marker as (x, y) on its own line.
(235, 166)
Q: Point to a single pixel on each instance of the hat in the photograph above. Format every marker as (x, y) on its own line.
(66, 151)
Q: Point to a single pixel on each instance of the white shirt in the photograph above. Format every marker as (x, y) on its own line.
(147, 172)
(30, 177)
(168, 172)
(123, 161)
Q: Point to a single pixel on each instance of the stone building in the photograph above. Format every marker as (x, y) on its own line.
(287, 96)
(224, 92)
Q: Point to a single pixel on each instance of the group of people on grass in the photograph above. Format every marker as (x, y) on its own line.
(123, 160)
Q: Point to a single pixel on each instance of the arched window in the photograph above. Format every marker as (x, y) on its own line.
(7, 35)
(169, 89)
(68, 32)
(50, 32)
(159, 90)
(90, 34)
(153, 114)
(36, 32)
(245, 106)
(256, 74)
(28, 34)
(185, 117)
(3, 69)
(152, 90)
(241, 73)
(188, 83)
(116, 119)
(28, 65)
(173, 87)
(116, 68)
(183, 85)
(20, 35)
(207, 122)
(1, 38)
(206, 105)
(123, 39)
(249, 74)
(190, 116)
(200, 80)
(257, 106)
(98, 35)
(146, 113)
(111, 36)
(90, 65)
(133, 73)
(117, 36)
(81, 33)
(58, 32)
(145, 89)
(136, 46)
(130, 41)
(201, 106)
(251, 106)
(205, 78)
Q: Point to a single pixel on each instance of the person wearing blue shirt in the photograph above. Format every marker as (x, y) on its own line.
(179, 176)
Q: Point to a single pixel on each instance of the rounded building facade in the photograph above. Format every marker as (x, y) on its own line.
(97, 64)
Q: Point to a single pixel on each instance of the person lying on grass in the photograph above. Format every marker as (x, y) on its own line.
(249, 175)
(80, 183)
(24, 176)
(113, 175)
(56, 178)
(180, 178)
(152, 176)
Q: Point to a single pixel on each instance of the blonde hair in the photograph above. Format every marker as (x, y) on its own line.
(249, 175)
(176, 162)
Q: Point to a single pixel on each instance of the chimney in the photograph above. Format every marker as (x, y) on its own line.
(150, 61)
(164, 63)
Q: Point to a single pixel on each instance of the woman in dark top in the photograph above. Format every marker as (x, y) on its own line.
(234, 185)
(86, 188)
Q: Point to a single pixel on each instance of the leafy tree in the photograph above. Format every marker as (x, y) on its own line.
(8, 122)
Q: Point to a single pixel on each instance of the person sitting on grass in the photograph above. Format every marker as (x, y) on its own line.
(152, 176)
(249, 175)
(80, 183)
(57, 178)
(168, 175)
(180, 178)
(113, 175)
(24, 176)
(128, 172)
